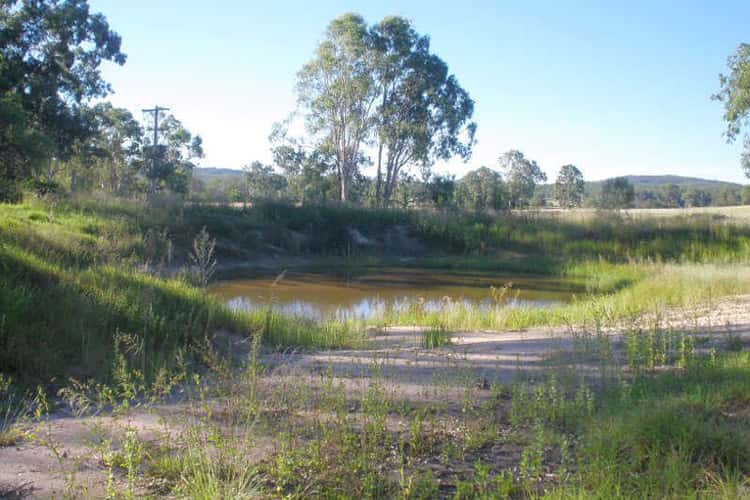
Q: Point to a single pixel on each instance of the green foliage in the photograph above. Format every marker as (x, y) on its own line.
(202, 257)
(91, 257)
(10, 191)
(616, 193)
(103, 259)
(423, 114)
(480, 190)
(336, 88)
(735, 94)
(382, 82)
(521, 177)
(64, 76)
(115, 149)
(263, 182)
(671, 196)
(435, 337)
(569, 187)
(665, 436)
(169, 165)
(487, 486)
(697, 198)
(13, 408)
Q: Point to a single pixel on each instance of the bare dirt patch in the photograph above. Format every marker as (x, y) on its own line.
(60, 454)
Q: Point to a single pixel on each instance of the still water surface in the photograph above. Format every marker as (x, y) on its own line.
(367, 294)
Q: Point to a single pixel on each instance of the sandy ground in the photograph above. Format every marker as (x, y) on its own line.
(63, 451)
(503, 356)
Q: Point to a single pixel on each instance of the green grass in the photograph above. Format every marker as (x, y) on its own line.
(77, 273)
(88, 290)
(435, 336)
(13, 408)
(617, 293)
(74, 278)
(679, 433)
(516, 242)
(675, 435)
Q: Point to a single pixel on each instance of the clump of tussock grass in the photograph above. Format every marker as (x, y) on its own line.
(435, 336)
(14, 407)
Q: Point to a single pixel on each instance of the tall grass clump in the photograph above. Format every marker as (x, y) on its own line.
(13, 408)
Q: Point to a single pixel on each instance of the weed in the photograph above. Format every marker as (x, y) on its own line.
(202, 257)
(436, 336)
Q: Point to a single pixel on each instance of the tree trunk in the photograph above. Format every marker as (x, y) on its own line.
(73, 177)
(342, 186)
(114, 185)
(390, 182)
(379, 180)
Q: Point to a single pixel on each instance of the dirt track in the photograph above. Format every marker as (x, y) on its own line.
(473, 359)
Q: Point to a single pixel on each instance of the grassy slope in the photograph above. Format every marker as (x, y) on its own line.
(73, 281)
(74, 274)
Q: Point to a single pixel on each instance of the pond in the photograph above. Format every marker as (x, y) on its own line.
(365, 294)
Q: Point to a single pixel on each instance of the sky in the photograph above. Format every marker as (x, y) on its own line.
(614, 87)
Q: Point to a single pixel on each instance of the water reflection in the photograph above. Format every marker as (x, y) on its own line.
(369, 294)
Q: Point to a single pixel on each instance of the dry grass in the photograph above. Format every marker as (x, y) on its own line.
(737, 214)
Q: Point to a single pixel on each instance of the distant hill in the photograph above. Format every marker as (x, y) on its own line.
(207, 173)
(648, 187)
(652, 181)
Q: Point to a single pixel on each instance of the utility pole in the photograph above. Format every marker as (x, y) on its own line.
(155, 111)
(154, 156)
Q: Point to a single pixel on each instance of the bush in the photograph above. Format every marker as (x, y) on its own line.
(43, 188)
(10, 192)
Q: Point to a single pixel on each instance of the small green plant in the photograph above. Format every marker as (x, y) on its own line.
(486, 486)
(436, 336)
(13, 409)
(202, 257)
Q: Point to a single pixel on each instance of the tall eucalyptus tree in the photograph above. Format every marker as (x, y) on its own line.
(380, 86)
(521, 177)
(735, 94)
(50, 55)
(337, 91)
(423, 114)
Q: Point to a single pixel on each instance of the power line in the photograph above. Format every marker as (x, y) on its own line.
(155, 111)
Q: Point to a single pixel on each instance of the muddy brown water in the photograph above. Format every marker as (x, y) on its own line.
(365, 294)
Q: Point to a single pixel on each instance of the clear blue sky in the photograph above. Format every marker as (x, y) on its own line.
(615, 87)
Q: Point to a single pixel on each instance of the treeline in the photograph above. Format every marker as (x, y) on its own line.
(306, 179)
(52, 136)
(373, 97)
(674, 196)
(480, 189)
(623, 193)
